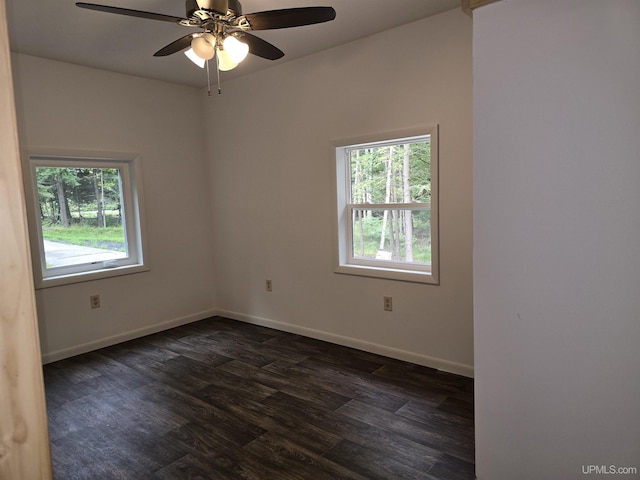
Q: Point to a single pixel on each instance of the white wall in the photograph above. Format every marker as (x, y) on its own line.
(273, 188)
(556, 229)
(64, 106)
(267, 208)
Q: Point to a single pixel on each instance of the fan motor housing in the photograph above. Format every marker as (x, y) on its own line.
(233, 6)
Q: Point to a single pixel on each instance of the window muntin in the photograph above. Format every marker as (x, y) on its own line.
(87, 219)
(387, 207)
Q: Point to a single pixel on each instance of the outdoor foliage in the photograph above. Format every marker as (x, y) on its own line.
(397, 179)
(81, 206)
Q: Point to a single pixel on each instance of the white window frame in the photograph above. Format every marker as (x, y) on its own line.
(345, 262)
(132, 199)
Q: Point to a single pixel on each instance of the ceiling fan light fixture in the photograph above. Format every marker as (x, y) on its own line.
(225, 62)
(209, 37)
(204, 48)
(236, 49)
(224, 30)
(191, 55)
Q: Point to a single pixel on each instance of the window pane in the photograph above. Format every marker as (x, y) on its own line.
(81, 215)
(392, 235)
(391, 173)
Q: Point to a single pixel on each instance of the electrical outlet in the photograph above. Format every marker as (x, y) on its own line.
(388, 304)
(269, 286)
(94, 301)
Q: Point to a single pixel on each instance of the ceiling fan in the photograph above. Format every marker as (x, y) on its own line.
(223, 30)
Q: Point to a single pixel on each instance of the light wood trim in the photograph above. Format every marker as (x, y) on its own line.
(468, 6)
(24, 438)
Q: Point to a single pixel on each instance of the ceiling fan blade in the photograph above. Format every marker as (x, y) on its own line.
(290, 17)
(261, 48)
(129, 12)
(175, 47)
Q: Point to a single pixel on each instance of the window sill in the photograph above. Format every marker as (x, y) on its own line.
(90, 276)
(388, 274)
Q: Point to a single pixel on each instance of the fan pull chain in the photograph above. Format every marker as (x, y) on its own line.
(218, 72)
(208, 80)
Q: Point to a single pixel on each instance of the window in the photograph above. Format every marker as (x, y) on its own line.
(85, 218)
(387, 199)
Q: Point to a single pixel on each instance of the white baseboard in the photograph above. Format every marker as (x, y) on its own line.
(123, 337)
(419, 359)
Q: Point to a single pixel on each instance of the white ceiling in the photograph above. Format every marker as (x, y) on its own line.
(59, 30)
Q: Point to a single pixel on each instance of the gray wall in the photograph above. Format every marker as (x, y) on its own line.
(273, 188)
(257, 193)
(67, 108)
(556, 228)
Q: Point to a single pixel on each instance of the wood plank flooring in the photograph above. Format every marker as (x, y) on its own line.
(221, 399)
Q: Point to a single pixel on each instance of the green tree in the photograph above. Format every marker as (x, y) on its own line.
(92, 191)
(389, 174)
(53, 185)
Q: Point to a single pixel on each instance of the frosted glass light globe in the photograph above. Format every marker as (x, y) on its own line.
(225, 62)
(203, 48)
(236, 49)
(191, 55)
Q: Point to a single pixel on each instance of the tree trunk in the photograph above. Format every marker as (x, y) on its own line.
(358, 196)
(369, 176)
(408, 221)
(96, 189)
(394, 236)
(361, 231)
(78, 206)
(62, 201)
(387, 197)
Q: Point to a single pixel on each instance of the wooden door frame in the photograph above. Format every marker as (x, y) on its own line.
(24, 437)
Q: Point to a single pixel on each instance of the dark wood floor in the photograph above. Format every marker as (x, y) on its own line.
(220, 399)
